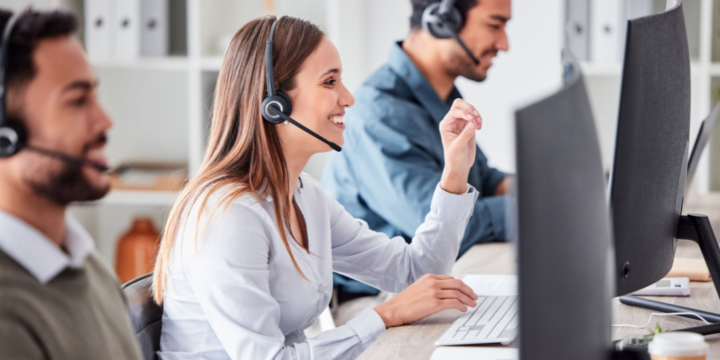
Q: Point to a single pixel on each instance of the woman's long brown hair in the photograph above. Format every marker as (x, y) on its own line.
(243, 150)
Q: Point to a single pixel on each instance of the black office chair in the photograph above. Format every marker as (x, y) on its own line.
(146, 315)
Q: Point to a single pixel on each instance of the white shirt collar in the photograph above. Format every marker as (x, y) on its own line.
(298, 189)
(36, 253)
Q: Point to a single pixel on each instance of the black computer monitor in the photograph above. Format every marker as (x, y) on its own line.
(647, 181)
(701, 141)
(564, 233)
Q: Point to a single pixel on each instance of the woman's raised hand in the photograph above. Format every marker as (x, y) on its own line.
(426, 296)
(457, 130)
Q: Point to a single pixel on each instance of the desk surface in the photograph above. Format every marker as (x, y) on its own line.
(417, 341)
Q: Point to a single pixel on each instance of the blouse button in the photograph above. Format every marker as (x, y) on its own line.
(321, 289)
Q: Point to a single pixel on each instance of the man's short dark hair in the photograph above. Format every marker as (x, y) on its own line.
(32, 27)
(418, 6)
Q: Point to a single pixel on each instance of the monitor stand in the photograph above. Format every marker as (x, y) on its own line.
(696, 228)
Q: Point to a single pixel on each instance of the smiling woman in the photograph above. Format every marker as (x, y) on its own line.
(247, 255)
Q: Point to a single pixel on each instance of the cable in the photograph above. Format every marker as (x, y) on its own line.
(661, 314)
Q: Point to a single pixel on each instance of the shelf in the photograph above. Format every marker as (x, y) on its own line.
(715, 69)
(605, 69)
(211, 63)
(615, 69)
(166, 63)
(136, 197)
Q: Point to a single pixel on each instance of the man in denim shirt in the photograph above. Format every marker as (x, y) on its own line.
(393, 155)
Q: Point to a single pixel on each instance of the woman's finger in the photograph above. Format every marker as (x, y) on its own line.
(457, 118)
(462, 104)
(457, 284)
(457, 294)
(453, 304)
(462, 114)
(443, 277)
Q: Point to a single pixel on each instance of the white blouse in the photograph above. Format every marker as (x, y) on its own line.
(237, 294)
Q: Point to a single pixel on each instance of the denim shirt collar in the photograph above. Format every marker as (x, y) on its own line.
(401, 64)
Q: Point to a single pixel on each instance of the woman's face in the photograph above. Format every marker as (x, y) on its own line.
(318, 100)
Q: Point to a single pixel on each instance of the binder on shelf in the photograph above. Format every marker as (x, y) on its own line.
(605, 25)
(633, 9)
(127, 29)
(577, 37)
(98, 29)
(154, 31)
(715, 34)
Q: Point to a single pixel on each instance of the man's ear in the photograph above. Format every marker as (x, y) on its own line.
(16, 102)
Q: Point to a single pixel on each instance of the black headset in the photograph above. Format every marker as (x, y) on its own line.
(13, 136)
(276, 106)
(443, 21)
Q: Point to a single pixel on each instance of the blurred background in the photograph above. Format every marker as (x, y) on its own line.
(158, 61)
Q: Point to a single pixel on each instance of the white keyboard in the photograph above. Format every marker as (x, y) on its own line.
(493, 320)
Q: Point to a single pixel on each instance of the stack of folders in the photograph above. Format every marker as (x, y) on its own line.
(126, 29)
(595, 29)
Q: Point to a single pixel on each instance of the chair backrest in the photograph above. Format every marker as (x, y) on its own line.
(146, 315)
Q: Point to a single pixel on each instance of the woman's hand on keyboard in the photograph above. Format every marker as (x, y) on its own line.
(428, 295)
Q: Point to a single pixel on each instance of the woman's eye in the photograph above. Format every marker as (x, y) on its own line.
(330, 82)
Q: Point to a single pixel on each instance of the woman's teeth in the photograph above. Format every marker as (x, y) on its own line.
(338, 119)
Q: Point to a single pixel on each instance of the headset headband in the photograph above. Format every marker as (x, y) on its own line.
(3, 65)
(269, 61)
(445, 7)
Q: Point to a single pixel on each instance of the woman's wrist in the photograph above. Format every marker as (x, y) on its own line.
(386, 313)
(454, 182)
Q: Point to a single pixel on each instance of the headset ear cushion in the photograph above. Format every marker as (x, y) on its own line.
(280, 98)
(12, 138)
(438, 28)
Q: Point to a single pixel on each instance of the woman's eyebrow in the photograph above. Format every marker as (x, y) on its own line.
(331, 71)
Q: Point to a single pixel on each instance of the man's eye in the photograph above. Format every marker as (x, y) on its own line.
(79, 101)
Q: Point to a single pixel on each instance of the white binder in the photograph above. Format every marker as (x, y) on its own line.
(633, 9)
(99, 29)
(127, 29)
(577, 28)
(605, 26)
(154, 27)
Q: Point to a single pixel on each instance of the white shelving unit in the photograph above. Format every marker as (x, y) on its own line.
(161, 106)
(603, 82)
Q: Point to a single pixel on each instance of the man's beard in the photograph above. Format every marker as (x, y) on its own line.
(464, 66)
(66, 185)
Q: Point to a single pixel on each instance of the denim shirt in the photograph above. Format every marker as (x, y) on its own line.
(392, 160)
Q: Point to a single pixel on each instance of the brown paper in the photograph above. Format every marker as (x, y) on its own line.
(693, 269)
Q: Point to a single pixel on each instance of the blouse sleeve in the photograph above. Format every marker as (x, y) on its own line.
(392, 264)
(229, 274)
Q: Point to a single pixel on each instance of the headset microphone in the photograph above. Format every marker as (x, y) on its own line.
(276, 106)
(73, 160)
(443, 21)
(13, 137)
(278, 112)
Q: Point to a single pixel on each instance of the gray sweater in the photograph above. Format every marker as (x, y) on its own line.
(79, 314)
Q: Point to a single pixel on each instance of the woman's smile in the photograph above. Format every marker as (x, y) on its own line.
(338, 120)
